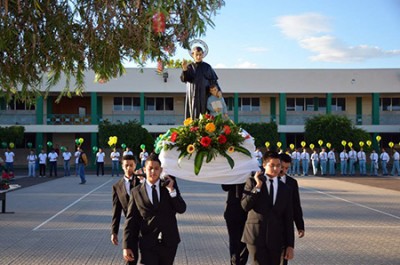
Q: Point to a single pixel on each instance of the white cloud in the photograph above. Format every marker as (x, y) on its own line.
(245, 64)
(220, 65)
(256, 49)
(330, 49)
(240, 64)
(305, 25)
(309, 30)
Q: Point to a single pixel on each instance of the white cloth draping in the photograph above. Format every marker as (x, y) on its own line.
(217, 171)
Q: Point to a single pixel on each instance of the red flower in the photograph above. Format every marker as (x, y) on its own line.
(208, 116)
(205, 141)
(174, 135)
(194, 129)
(222, 139)
(158, 22)
(5, 176)
(227, 129)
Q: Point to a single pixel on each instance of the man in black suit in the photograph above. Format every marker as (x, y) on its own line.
(121, 195)
(235, 218)
(151, 219)
(269, 225)
(294, 186)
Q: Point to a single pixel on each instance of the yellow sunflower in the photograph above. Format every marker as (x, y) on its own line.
(190, 148)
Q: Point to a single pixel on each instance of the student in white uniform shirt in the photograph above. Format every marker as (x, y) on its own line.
(323, 157)
(100, 155)
(127, 151)
(396, 166)
(143, 157)
(343, 162)
(315, 162)
(42, 163)
(374, 163)
(115, 162)
(53, 157)
(258, 155)
(31, 158)
(352, 162)
(296, 162)
(332, 162)
(305, 161)
(76, 155)
(362, 159)
(9, 155)
(67, 158)
(384, 161)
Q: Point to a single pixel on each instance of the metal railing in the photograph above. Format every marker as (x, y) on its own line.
(166, 118)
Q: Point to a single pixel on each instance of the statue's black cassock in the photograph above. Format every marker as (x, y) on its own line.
(198, 77)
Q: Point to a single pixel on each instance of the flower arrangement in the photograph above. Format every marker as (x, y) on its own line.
(5, 179)
(205, 138)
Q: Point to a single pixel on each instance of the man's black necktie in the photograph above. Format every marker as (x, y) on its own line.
(130, 184)
(271, 192)
(155, 196)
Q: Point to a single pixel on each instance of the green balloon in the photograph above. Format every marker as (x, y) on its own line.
(29, 144)
(123, 146)
(4, 144)
(49, 144)
(77, 141)
(40, 146)
(142, 146)
(95, 148)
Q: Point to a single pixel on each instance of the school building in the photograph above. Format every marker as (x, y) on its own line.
(369, 97)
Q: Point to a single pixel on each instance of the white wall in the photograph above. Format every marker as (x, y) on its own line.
(257, 81)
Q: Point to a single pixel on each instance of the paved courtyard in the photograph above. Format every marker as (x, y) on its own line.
(61, 222)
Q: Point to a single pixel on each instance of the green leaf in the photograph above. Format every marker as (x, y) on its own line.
(230, 160)
(182, 154)
(198, 161)
(209, 157)
(243, 150)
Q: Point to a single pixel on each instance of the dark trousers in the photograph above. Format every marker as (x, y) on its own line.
(263, 255)
(100, 165)
(158, 255)
(53, 166)
(42, 170)
(237, 249)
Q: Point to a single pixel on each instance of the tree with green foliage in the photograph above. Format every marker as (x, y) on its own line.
(262, 132)
(131, 133)
(334, 129)
(12, 134)
(42, 40)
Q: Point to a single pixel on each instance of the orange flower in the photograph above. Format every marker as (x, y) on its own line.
(231, 149)
(210, 127)
(190, 148)
(188, 121)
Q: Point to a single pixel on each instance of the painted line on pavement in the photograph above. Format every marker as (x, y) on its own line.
(354, 203)
(72, 204)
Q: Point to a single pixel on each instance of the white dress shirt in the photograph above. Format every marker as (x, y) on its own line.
(149, 190)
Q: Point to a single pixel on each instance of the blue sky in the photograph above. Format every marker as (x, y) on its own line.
(283, 34)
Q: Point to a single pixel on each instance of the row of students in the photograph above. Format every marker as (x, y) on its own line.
(325, 162)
